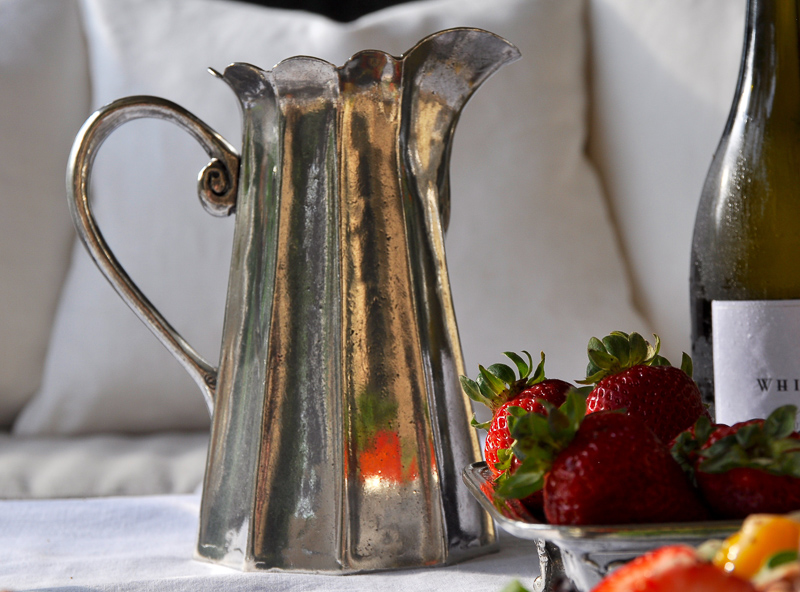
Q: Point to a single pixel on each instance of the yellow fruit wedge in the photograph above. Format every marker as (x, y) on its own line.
(761, 536)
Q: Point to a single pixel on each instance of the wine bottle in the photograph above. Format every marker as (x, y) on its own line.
(745, 268)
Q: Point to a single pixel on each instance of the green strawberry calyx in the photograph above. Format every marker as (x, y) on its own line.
(498, 383)
(538, 439)
(619, 351)
(687, 445)
(771, 446)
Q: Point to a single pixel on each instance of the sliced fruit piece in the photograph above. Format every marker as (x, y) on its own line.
(761, 537)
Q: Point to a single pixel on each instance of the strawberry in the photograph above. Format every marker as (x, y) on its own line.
(675, 567)
(603, 468)
(750, 467)
(629, 374)
(498, 388)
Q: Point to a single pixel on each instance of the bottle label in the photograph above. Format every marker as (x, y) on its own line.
(756, 357)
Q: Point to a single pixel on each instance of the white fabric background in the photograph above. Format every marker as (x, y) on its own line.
(44, 98)
(663, 74)
(146, 543)
(533, 259)
(101, 465)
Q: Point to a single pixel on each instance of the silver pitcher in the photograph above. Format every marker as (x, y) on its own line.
(339, 429)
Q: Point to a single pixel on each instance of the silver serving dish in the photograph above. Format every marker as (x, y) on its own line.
(584, 554)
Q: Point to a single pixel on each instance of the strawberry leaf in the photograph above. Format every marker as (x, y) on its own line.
(639, 348)
(593, 375)
(574, 407)
(535, 458)
(529, 430)
(780, 422)
(473, 391)
(652, 350)
(684, 450)
(724, 456)
(783, 446)
(703, 429)
(559, 425)
(486, 391)
(595, 344)
(489, 385)
(515, 411)
(520, 484)
(790, 465)
(686, 447)
(749, 436)
(504, 458)
(480, 425)
(524, 368)
(686, 364)
(618, 346)
(538, 374)
(496, 376)
(604, 360)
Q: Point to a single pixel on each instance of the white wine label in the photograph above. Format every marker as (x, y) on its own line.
(756, 357)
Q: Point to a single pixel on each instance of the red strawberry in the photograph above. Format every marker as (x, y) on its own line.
(748, 468)
(498, 388)
(604, 468)
(629, 374)
(671, 568)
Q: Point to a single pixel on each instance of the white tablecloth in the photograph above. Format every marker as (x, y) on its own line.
(146, 543)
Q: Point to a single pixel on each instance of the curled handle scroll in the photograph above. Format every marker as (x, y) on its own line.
(217, 188)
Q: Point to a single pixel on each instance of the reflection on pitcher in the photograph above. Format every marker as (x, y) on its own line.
(387, 456)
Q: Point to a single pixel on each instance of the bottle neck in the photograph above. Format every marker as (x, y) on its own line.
(769, 79)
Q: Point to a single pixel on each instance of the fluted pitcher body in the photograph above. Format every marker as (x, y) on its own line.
(339, 429)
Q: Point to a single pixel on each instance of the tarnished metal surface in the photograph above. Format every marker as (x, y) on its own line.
(585, 553)
(338, 426)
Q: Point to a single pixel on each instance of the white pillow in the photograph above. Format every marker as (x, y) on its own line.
(663, 78)
(44, 98)
(532, 258)
(101, 465)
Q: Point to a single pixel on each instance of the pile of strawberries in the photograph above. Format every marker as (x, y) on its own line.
(636, 445)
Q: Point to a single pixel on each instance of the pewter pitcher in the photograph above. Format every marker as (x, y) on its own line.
(339, 429)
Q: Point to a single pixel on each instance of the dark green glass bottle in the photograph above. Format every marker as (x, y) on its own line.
(745, 269)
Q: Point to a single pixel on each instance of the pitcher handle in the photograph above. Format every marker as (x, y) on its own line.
(217, 186)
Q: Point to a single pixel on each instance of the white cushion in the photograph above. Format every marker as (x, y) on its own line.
(101, 465)
(663, 76)
(531, 252)
(44, 98)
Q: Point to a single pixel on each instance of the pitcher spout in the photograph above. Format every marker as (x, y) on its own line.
(440, 74)
(247, 81)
